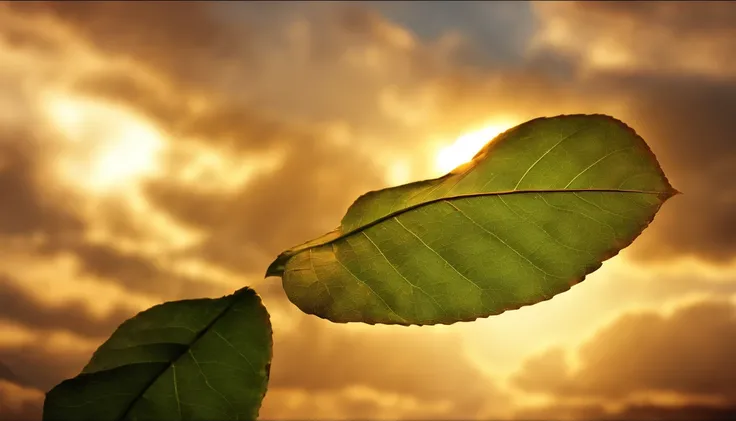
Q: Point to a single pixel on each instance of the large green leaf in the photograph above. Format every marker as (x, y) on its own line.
(204, 359)
(537, 209)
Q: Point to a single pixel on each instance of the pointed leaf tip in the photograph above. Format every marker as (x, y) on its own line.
(275, 269)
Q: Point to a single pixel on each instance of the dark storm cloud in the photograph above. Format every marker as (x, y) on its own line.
(689, 353)
(21, 307)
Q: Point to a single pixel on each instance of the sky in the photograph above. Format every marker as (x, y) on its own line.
(158, 151)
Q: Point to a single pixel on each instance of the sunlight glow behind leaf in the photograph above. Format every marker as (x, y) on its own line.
(467, 145)
(399, 172)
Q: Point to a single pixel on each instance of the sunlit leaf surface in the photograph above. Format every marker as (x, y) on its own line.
(537, 209)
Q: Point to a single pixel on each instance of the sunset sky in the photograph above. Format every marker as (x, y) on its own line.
(159, 151)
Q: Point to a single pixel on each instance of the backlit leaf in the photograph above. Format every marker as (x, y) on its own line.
(203, 359)
(537, 209)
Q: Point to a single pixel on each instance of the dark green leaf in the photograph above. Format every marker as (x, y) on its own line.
(204, 359)
(537, 209)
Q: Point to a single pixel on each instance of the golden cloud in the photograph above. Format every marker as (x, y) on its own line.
(246, 134)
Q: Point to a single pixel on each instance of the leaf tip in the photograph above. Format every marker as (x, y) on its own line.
(276, 268)
(670, 193)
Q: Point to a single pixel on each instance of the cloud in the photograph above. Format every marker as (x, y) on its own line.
(650, 37)
(191, 39)
(676, 413)
(303, 199)
(31, 211)
(185, 114)
(18, 403)
(500, 30)
(419, 367)
(135, 272)
(300, 66)
(6, 373)
(687, 353)
(48, 219)
(644, 365)
(18, 305)
(637, 412)
(42, 363)
(545, 372)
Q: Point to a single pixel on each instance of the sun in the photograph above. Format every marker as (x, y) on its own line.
(466, 146)
(107, 146)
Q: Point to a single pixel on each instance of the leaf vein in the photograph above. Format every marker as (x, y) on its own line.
(564, 138)
(596, 163)
(553, 238)
(603, 209)
(438, 255)
(400, 274)
(367, 286)
(176, 389)
(207, 382)
(501, 240)
(579, 213)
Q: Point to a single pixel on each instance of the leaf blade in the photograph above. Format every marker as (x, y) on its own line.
(578, 171)
(178, 360)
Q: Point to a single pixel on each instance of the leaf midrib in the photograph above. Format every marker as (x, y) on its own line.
(174, 360)
(388, 216)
